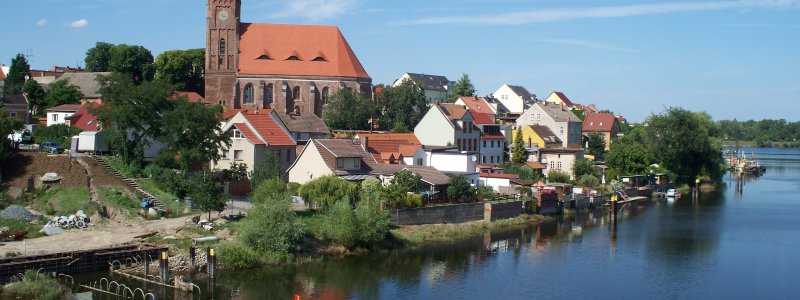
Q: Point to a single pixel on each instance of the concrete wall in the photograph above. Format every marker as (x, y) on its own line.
(456, 213)
(492, 154)
(54, 118)
(507, 210)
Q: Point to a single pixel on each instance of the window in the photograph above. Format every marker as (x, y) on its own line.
(552, 165)
(559, 165)
(55, 118)
(248, 94)
(325, 92)
(358, 163)
(561, 129)
(235, 133)
(340, 163)
(225, 154)
(296, 92)
(483, 159)
(221, 46)
(484, 143)
(419, 161)
(268, 96)
(238, 154)
(264, 56)
(319, 58)
(492, 158)
(13, 114)
(293, 57)
(538, 117)
(498, 159)
(492, 143)
(458, 143)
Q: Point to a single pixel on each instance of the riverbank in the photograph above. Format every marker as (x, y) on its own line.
(417, 235)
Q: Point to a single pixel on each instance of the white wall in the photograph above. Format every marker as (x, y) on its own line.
(58, 117)
(452, 162)
(495, 183)
(435, 129)
(567, 160)
(308, 166)
(412, 160)
(513, 102)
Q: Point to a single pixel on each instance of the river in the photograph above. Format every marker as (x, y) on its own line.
(727, 244)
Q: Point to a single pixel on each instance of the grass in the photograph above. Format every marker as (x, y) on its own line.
(36, 286)
(169, 200)
(312, 220)
(64, 201)
(419, 234)
(117, 163)
(15, 224)
(116, 198)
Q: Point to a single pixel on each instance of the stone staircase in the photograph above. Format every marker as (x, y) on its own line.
(130, 182)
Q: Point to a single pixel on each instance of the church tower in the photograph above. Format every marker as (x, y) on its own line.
(222, 51)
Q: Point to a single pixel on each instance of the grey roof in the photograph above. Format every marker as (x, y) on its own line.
(86, 82)
(546, 134)
(557, 113)
(429, 174)
(303, 123)
(431, 82)
(522, 92)
(14, 100)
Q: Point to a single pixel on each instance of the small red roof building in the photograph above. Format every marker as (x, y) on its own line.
(83, 118)
(599, 122)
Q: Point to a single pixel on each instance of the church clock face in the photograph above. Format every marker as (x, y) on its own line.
(223, 15)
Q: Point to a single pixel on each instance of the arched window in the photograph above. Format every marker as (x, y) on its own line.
(296, 92)
(268, 96)
(248, 94)
(325, 92)
(221, 46)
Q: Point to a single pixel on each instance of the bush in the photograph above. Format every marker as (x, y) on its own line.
(364, 225)
(325, 191)
(272, 186)
(294, 188)
(413, 200)
(36, 286)
(460, 190)
(235, 255)
(168, 180)
(557, 176)
(392, 196)
(589, 181)
(373, 222)
(271, 225)
(371, 189)
(59, 133)
(486, 192)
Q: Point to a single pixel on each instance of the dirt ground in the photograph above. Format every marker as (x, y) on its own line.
(24, 168)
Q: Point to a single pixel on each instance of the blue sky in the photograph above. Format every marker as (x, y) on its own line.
(730, 58)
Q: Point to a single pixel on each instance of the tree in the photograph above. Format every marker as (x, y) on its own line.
(183, 69)
(61, 92)
(98, 57)
(597, 144)
(363, 226)
(268, 167)
(59, 133)
(460, 190)
(463, 87)
(518, 154)
(7, 126)
(36, 96)
(685, 143)
(17, 72)
(135, 61)
(206, 191)
(403, 106)
(557, 176)
(132, 114)
(407, 181)
(192, 132)
(271, 225)
(589, 181)
(370, 189)
(325, 191)
(584, 167)
(348, 110)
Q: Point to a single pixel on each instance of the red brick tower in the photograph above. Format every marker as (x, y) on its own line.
(222, 51)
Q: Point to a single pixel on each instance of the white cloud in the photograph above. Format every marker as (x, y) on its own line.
(564, 14)
(587, 44)
(79, 23)
(316, 9)
(41, 22)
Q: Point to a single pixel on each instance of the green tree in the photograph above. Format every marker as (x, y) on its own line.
(59, 133)
(7, 126)
(183, 69)
(365, 225)
(268, 167)
(584, 167)
(627, 158)
(460, 189)
(325, 191)
(370, 189)
(206, 191)
(62, 92)
(15, 78)
(36, 96)
(192, 132)
(463, 87)
(402, 106)
(392, 195)
(407, 181)
(518, 154)
(132, 114)
(271, 225)
(98, 58)
(589, 181)
(597, 144)
(348, 110)
(686, 143)
(556, 176)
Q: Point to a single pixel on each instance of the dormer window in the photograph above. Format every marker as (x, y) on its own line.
(293, 57)
(235, 133)
(319, 58)
(264, 57)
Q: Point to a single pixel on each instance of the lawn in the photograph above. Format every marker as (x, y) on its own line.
(64, 201)
(117, 163)
(117, 199)
(312, 220)
(14, 224)
(169, 200)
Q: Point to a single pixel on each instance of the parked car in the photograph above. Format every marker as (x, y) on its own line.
(51, 147)
(671, 193)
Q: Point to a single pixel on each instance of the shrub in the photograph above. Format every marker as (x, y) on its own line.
(272, 186)
(392, 196)
(348, 227)
(589, 181)
(235, 255)
(271, 225)
(486, 192)
(36, 286)
(325, 191)
(557, 176)
(168, 180)
(413, 200)
(373, 222)
(460, 190)
(268, 167)
(371, 189)
(59, 133)
(294, 188)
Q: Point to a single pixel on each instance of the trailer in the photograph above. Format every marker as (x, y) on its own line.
(92, 141)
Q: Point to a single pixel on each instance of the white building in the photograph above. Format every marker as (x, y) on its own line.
(436, 87)
(59, 114)
(514, 98)
(448, 124)
(558, 119)
(559, 159)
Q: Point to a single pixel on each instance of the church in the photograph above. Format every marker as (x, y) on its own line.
(288, 68)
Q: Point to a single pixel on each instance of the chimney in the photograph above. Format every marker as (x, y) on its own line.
(562, 105)
(365, 143)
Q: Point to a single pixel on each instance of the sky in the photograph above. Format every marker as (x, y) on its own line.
(732, 59)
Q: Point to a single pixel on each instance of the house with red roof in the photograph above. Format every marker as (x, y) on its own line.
(559, 98)
(514, 98)
(83, 118)
(478, 104)
(59, 114)
(252, 135)
(449, 124)
(492, 144)
(605, 124)
(192, 97)
(393, 148)
(286, 67)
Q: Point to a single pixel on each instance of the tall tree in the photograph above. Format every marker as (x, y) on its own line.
(15, 78)
(518, 154)
(463, 87)
(36, 96)
(460, 190)
(402, 106)
(408, 181)
(192, 132)
(61, 92)
(207, 192)
(627, 157)
(348, 110)
(269, 167)
(7, 126)
(597, 144)
(135, 61)
(98, 57)
(182, 68)
(133, 113)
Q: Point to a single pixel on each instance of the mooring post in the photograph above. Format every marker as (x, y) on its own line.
(192, 258)
(146, 264)
(614, 208)
(164, 266)
(212, 262)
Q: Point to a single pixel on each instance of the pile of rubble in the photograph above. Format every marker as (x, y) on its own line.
(17, 212)
(57, 225)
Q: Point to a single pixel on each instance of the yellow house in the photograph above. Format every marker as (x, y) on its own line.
(537, 136)
(604, 124)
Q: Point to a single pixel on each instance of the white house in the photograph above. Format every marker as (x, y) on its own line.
(558, 119)
(451, 160)
(514, 98)
(503, 183)
(252, 135)
(560, 159)
(436, 87)
(448, 124)
(59, 114)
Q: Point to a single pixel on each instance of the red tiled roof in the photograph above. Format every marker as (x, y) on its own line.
(498, 175)
(535, 165)
(192, 97)
(409, 150)
(521, 182)
(564, 98)
(2, 74)
(377, 136)
(477, 104)
(599, 122)
(380, 149)
(268, 128)
(481, 118)
(252, 137)
(227, 114)
(83, 119)
(453, 111)
(66, 108)
(319, 50)
(330, 149)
